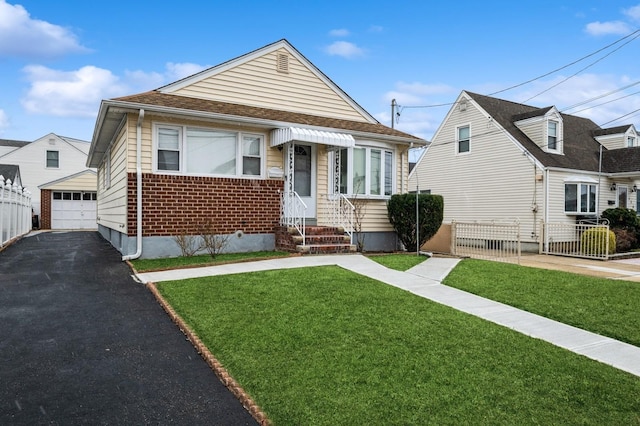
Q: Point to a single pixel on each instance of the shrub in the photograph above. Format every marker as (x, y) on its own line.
(401, 210)
(622, 218)
(625, 239)
(594, 241)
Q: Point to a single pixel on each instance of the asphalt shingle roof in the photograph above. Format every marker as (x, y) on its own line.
(580, 149)
(159, 99)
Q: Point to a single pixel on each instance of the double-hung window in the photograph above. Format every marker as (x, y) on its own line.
(631, 141)
(552, 135)
(366, 171)
(580, 198)
(204, 151)
(53, 159)
(463, 139)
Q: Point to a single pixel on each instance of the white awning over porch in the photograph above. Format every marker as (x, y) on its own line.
(297, 134)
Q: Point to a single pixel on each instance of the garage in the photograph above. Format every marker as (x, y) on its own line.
(73, 210)
(69, 203)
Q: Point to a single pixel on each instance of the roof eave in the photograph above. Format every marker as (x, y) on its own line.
(124, 107)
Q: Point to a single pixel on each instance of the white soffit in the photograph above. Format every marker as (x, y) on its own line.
(297, 134)
(581, 179)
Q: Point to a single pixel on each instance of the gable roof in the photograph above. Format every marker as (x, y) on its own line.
(612, 130)
(165, 101)
(580, 149)
(280, 46)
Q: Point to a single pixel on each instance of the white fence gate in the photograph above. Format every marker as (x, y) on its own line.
(487, 240)
(586, 240)
(15, 211)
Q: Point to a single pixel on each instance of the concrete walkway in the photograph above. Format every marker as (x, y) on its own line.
(425, 280)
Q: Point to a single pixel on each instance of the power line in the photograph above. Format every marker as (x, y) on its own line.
(604, 95)
(636, 33)
(585, 68)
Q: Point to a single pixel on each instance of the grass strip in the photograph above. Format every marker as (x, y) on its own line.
(325, 346)
(398, 261)
(146, 265)
(600, 305)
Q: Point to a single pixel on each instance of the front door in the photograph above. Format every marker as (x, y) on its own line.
(304, 176)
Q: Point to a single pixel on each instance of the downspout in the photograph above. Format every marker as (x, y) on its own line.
(138, 189)
(546, 208)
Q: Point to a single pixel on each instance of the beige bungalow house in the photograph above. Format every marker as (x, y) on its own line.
(264, 149)
(499, 161)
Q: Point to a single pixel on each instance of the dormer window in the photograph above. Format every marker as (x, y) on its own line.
(552, 136)
(631, 141)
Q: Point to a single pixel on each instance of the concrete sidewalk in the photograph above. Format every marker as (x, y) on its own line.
(424, 280)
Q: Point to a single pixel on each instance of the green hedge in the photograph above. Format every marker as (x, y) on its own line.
(401, 210)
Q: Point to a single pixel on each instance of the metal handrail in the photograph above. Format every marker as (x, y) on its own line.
(293, 212)
(340, 212)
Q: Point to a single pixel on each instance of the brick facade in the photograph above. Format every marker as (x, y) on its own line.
(174, 205)
(45, 209)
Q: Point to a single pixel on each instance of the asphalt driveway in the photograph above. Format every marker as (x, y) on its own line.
(82, 343)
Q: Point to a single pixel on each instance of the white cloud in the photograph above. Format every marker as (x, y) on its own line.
(78, 93)
(344, 49)
(582, 88)
(21, 35)
(633, 12)
(69, 93)
(611, 27)
(342, 32)
(4, 120)
(143, 80)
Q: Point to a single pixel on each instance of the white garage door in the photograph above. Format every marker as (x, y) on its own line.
(73, 210)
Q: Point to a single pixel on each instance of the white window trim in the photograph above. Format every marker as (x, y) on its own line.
(457, 139)
(631, 141)
(379, 147)
(578, 183)
(46, 159)
(182, 135)
(559, 132)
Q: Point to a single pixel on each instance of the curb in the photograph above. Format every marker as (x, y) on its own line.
(226, 379)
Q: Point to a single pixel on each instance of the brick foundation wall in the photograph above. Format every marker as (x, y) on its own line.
(45, 209)
(174, 205)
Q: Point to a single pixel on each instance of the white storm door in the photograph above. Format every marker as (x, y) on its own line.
(304, 176)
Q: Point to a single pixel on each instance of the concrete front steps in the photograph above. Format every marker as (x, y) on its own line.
(318, 240)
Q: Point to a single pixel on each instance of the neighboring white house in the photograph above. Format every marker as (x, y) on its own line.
(496, 160)
(45, 160)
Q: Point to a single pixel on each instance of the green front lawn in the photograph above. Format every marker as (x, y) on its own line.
(603, 306)
(327, 346)
(146, 265)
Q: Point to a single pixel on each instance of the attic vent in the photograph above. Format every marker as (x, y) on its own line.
(52, 141)
(282, 64)
(462, 106)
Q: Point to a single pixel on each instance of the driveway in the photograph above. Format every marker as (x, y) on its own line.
(82, 343)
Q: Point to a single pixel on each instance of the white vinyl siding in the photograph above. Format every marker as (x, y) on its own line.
(32, 158)
(495, 182)
(258, 83)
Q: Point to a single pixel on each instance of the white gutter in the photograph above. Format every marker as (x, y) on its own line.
(121, 106)
(138, 189)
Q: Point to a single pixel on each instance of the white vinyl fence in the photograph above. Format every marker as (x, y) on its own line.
(487, 240)
(583, 239)
(15, 211)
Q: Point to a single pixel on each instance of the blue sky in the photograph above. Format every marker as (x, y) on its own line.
(59, 59)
